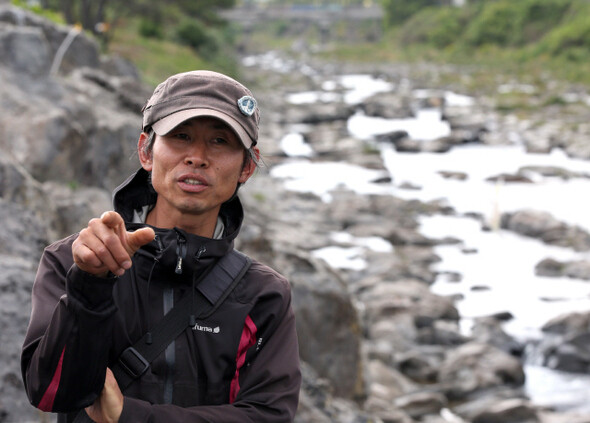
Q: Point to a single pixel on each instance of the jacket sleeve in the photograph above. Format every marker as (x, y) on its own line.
(266, 385)
(65, 352)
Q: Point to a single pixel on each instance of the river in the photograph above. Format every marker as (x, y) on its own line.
(500, 262)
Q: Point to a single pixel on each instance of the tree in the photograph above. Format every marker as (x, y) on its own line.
(98, 15)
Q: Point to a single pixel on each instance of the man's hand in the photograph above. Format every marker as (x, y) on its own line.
(108, 407)
(105, 245)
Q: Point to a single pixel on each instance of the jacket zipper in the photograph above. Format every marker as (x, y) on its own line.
(180, 252)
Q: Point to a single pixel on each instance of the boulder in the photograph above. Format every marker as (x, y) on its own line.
(25, 50)
(568, 323)
(542, 225)
(475, 367)
(419, 404)
(577, 269)
(570, 353)
(33, 43)
(327, 324)
(508, 411)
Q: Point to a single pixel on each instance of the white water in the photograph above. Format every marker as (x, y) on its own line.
(499, 260)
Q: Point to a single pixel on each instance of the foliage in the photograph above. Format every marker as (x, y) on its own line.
(571, 41)
(156, 59)
(437, 27)
(39, 10)
(398, 11)
(530, 28)
(150, 29)
(102, 16)
(510, 23)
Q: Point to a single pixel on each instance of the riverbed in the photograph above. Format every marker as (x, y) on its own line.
(496, 267)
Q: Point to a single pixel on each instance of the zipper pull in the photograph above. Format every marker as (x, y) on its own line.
(200, 252)
(180, 252)
(178, 269)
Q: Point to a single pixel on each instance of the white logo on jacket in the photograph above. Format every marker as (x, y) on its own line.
(209, 329)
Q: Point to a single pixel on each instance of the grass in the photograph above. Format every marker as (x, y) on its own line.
(155, 59)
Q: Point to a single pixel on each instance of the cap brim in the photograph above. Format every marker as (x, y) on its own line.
(168, 123)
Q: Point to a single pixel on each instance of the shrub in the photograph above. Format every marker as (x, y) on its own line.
(398, 11)
(515, 23)
(194, 34)
(439, 27)
(572, 41)
(150, 29)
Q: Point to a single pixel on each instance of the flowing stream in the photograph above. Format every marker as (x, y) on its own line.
(497, 266)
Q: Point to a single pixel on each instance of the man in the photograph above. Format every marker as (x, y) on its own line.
(100, 291)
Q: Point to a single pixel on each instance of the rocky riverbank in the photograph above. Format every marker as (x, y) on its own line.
(377, 344)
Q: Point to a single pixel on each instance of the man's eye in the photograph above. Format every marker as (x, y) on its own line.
(182, 136)
(219, 140)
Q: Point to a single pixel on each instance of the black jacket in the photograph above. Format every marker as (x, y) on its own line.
(246, 370)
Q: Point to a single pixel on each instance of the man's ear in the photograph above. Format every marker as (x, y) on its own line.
(145, 154)
(250, 167)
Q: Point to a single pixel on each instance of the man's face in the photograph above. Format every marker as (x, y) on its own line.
(195, 168)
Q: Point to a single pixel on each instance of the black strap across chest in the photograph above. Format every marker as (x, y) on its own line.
(217, 284)
(215, 287)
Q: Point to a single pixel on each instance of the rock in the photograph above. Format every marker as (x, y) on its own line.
(387, 106)
(421, 363)
(495, 401)
(22, 240)
(25, 50)
(543, 225)
(579, 269)
(33, 42)
(327, 324)
(488, 330)
(73, 208)
(550, 268)
(419, 404)
(509, 178)
(458, 176)
(393, 137)
(386, 382)
(476, 367)
(317, 113)
(508, 411)
(410, 297)
(570, 354)
(568, 323)
(551, 171)
(568, 347)
(317, 403)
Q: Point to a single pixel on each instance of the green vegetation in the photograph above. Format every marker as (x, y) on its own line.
(529, 28)
(159, 57)
(524, 37)
(160, 39)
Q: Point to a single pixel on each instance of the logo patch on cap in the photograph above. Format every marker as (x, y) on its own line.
(247, 105)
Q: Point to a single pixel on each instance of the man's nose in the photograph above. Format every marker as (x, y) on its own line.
(196, 154)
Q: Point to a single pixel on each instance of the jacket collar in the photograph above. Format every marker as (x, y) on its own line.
(137, 192)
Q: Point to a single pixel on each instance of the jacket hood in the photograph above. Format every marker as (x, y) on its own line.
(172, 244)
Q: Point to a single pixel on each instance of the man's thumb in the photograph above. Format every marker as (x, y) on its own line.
(140, 237)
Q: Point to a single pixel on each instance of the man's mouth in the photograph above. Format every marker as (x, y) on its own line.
(191, 181)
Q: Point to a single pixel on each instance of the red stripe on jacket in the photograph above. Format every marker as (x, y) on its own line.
(46, 403)
(247, 340)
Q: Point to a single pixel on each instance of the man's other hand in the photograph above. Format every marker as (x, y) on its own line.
(108, 407)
